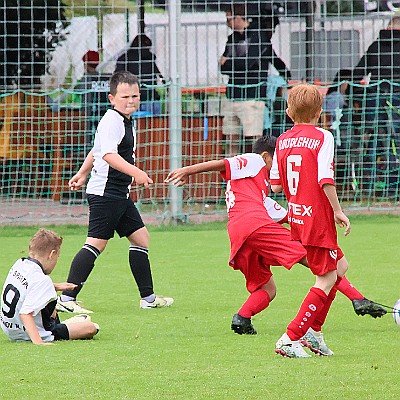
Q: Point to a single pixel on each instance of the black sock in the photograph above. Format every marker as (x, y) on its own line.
(140, 267)
(81, 267)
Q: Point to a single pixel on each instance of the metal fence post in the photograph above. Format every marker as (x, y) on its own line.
(175, 106)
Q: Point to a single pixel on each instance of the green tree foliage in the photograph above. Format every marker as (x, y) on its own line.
(30, 30)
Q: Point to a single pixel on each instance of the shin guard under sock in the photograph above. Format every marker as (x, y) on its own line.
(309, 309)
(256, 302)
(140, 267)
(81, 267)
(321, 317)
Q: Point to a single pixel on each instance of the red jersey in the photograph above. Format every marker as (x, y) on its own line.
(246, 197)
(302, 164)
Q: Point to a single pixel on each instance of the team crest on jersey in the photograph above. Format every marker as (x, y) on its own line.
(241, 162)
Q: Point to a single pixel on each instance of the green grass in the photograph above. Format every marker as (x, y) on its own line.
(188, 351)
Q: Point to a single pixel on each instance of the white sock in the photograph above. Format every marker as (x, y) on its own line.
(63, 297)
(150, 298)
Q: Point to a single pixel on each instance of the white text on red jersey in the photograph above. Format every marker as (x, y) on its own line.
(300, 209)
(302, 141)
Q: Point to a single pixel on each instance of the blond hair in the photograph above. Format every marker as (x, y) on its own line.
(304, 103)
(44, 241)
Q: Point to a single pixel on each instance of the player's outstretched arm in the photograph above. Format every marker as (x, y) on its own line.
(118, 163)
(179, 176)
(340, 217)
(31, 328)
(79, 179)
(60, 287)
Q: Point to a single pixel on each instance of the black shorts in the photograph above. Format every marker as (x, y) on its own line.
(107, 216)
(59, 330)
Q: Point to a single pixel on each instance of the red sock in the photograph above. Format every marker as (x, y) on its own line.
(256, 302)
(321, 317)
(309, 309)
(349, 290)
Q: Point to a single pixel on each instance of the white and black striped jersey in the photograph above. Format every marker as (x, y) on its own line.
(27, 289)
(115, 134)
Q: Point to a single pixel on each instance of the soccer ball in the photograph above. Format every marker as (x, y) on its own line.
(396, 313)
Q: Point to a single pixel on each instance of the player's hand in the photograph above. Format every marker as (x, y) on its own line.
(76, 182)
(342, 221)
(64, 286)
(142, 179)
(177, 177)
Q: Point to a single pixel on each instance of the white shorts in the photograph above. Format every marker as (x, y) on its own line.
(243, 116)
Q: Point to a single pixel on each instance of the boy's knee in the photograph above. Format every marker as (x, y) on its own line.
(272, 293)
(140, 238)
(342, 266)
(326, 282)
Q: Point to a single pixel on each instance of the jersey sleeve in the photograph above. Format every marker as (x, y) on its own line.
(243, 166)
(39, 294)
(110, 133)
(275, 210)
(226, 175)
(325, 160)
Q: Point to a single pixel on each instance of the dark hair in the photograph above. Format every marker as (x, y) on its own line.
(341, 75)
(122, 77)
(141, 40)
(265, 143)
(239, 10)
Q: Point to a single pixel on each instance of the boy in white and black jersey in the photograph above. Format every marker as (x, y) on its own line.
(111, 164)
(29, 297)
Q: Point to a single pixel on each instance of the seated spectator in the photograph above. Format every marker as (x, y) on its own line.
(336, 108)
(381, 108)
(380, 63)
(140, 61)
(246, 59)
(336, 96)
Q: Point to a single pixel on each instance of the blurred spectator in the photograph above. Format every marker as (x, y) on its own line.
(381, 62)
(91, 91)
(340, 117)
(335, 103)
(140, 61)
(380, 59)
(336, 96)
(246, 59)
(380, 69)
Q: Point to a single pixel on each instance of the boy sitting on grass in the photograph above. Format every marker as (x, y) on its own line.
(29, 297)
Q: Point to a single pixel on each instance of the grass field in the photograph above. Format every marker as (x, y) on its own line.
(188, 351)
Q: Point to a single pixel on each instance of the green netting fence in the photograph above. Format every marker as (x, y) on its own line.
(43, 143)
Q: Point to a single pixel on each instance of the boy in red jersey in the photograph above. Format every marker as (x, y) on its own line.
(247, 191)
(303, 168)
(257, 241)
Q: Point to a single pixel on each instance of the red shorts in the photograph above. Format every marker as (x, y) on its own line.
(321, 260)
(340, 254)
(268, 245)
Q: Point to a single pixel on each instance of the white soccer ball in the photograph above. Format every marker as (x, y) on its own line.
(396, 313)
